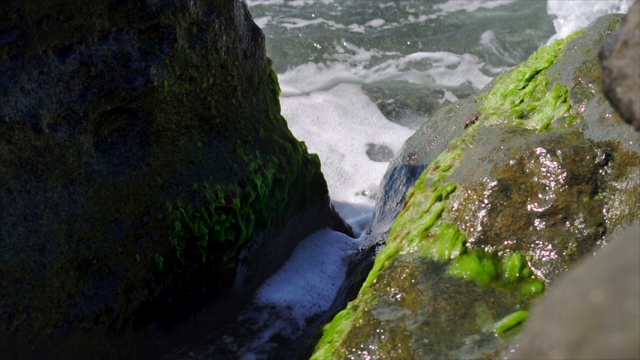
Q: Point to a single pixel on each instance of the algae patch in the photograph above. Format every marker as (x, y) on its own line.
(524, 96)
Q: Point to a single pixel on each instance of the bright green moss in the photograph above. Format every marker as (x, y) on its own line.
(510, 321)
(448, 245)
(333, 332)
(531, 287)
(473, 266)
(512, 266)
(522, 96)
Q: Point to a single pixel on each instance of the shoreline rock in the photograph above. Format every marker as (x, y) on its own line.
(146, 174)
(521, 181)
(592, 312)
(620, 56)
(605, 322)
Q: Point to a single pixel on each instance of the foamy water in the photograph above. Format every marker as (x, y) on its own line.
(325, 51)
(572, 15)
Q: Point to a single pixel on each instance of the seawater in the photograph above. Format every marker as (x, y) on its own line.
(346, 68)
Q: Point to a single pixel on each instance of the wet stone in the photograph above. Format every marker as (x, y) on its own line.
(538, 194)
(379, 152)
(440, 317)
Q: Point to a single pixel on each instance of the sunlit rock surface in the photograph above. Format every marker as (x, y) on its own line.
(145, 172)
(521, 182)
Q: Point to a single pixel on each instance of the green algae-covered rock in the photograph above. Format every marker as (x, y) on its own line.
(145, 170)
(538, 172)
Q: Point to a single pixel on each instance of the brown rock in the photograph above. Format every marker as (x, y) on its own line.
(594, 311)
(620, 58)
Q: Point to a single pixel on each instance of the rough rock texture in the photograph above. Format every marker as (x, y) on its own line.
(593, 312)
(145, 171)
(605, 323)
(521, 182)
(621, 66)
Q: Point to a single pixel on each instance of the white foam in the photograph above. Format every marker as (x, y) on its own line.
(438, 68)
(262, 21)
(470, 6)
(375, 23)
(292, 23)
(572, 15)
(308, 282)
(337, 124)
(264, 2)
(489, 41)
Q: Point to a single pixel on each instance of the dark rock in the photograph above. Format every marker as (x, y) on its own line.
(620, 56)
(145, 172)
(379, 153)
(592, 312)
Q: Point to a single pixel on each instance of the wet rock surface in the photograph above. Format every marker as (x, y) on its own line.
(534, 193)
(379, 152)
(146, 172)
(510, 188)
(604, 323)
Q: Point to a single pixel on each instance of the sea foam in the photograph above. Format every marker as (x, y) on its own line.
(572, 15)
(318, 267)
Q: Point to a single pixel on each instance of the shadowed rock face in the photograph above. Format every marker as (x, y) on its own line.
(592, 311)
(145, 171)
(519, 183)
(620, 57)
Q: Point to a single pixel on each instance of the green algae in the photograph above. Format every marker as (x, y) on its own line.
(473, 266)
(510, 321)
(227, 219)
(449, 244)
(509, 271)
(522, 96)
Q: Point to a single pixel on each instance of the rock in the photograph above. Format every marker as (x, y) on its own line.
(605, 323)
(620, 57)
(591, 312)
(146, 172)
(520, 182)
